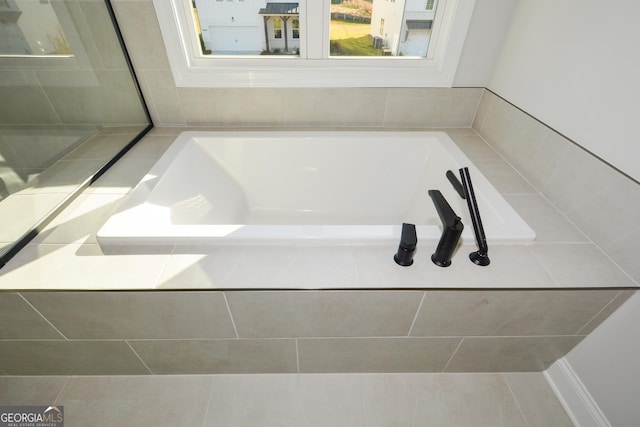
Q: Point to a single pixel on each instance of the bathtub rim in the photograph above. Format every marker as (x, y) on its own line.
(108, 236)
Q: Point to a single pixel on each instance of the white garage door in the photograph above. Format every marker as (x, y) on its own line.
(235, 39)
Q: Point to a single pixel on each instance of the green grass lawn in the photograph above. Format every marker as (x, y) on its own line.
(351, 39)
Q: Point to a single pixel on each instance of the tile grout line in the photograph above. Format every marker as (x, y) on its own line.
(515, 399)
(62, 389)
(206, 412)
(363, 402)
(309, 338)
(43, 317)
(47, 97)
(233, 322)
(614, 262)
(490, 101)
(145, 88)
(615, 297)
(138, 356)
(475, 113)
(452, 355)
(542, 264)
(415, 317)
(510, 164)
(156, 281)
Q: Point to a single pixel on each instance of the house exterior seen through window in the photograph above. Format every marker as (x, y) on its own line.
(357, 28)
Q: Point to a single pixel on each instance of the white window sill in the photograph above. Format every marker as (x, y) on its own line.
(191, 70)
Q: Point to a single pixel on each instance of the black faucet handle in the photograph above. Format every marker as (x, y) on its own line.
(409, 237)
(408, 243)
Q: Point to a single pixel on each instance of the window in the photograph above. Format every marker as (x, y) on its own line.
(295, 28)
(302, 55)
(277, 28)
(430, 4)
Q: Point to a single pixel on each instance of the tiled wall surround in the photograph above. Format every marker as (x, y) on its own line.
(599, 200)
(94, 333)
(372, 107)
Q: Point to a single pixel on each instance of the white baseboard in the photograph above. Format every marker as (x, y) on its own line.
(574, 396)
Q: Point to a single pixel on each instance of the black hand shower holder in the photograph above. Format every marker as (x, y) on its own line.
(480, 257)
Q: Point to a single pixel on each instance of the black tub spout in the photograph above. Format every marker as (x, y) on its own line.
(451, 230)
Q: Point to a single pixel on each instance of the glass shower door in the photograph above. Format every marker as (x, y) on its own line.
(69, 104)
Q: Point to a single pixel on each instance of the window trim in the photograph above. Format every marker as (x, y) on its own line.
(314, 68)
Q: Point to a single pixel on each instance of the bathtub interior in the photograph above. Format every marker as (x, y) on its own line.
(301, 184)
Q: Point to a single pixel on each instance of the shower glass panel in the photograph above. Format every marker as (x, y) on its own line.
(69, 105)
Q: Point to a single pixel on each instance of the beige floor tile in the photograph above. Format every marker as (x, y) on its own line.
(252, 400)
(286, 400)
(392, 399)
(136, 401)
(295, 400)
(30, 390)
(467, 400)
(536, 400)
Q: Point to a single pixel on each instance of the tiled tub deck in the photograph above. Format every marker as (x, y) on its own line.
(69, 309)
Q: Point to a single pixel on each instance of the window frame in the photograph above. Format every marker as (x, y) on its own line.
(314, 67)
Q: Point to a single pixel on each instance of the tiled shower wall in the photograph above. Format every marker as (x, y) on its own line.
(94, 87)
(278, 107)
(598, 199)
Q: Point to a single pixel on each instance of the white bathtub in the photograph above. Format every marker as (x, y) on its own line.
(304, 188)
